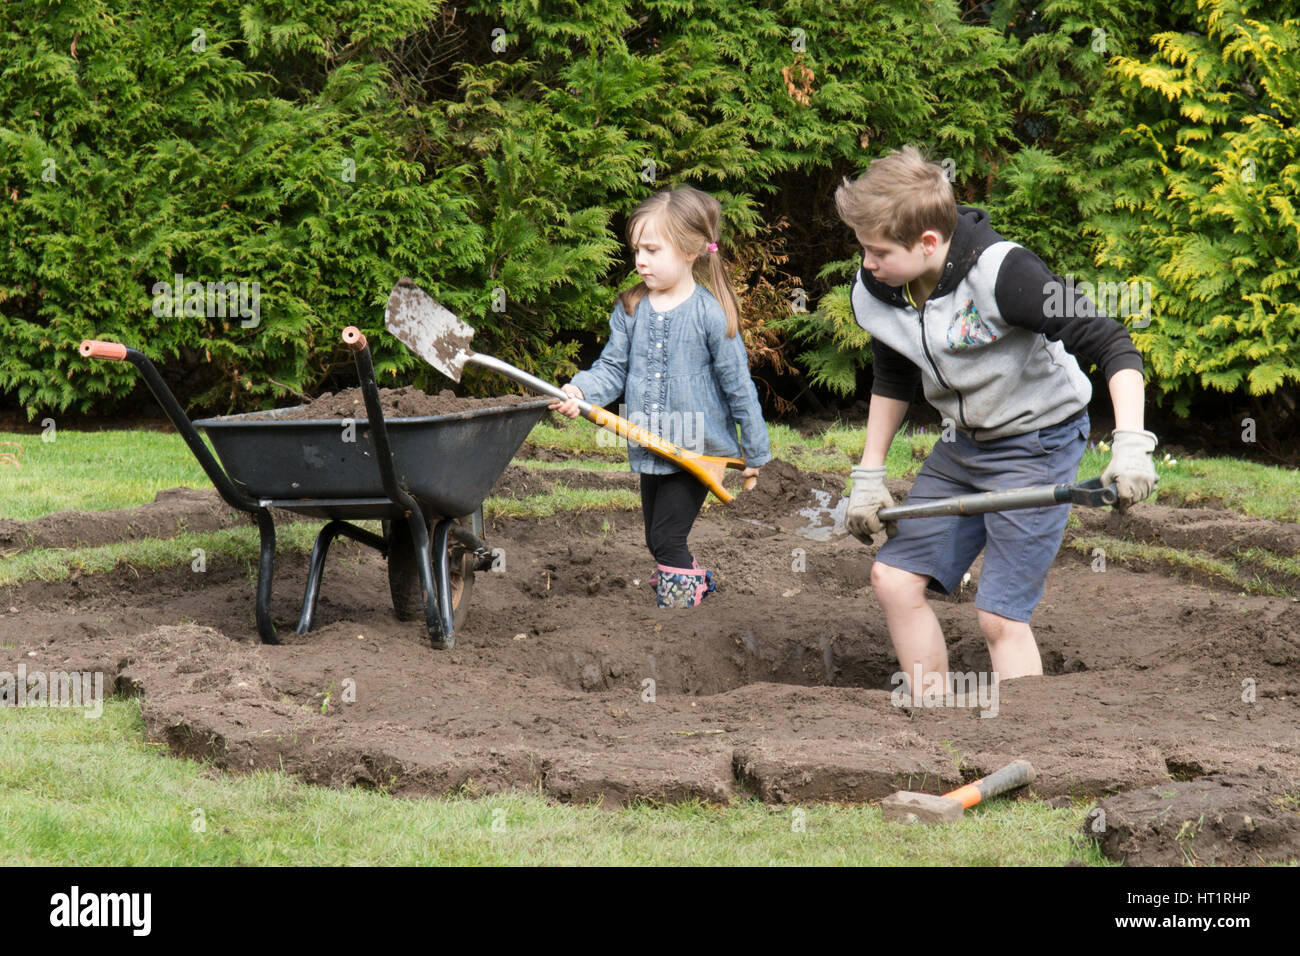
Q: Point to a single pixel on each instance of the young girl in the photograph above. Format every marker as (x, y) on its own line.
(675, 352)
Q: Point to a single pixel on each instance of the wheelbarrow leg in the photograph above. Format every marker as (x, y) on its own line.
(442, 578)
(314, 573)
(440, 635)
(225, 487)
(265, 575)
(316, 570)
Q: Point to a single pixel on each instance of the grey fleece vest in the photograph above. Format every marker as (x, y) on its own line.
(992, 379)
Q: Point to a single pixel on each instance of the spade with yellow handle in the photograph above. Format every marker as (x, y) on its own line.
(442, 339)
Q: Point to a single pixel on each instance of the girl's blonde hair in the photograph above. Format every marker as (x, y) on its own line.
(689, 219)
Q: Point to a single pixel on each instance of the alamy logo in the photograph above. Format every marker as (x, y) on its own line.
(212, 300)
(55, 689)
(684, 429)
(102, 909)
(963, 689)
(1087, 300)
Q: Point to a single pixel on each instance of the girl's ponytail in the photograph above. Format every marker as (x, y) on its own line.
(718, 282)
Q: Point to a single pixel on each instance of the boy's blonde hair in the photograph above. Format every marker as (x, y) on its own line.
(900, 196)
(689, 219)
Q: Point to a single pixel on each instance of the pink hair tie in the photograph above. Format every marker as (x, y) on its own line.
(713, 247)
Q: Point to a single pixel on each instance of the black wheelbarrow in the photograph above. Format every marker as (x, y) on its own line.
(424, 478)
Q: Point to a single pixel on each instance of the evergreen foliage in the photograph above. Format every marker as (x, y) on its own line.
(1206, 210)
(134, 149)
(492, 151)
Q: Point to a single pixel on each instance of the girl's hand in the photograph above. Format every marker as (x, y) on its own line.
(570, 407)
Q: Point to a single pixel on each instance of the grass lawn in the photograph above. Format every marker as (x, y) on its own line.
(98, 471)
(93, 792)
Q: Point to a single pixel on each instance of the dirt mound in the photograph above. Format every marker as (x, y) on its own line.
(407, 402)
(1199, 529)
(173, 511)
(548, 454)
(781, 490)
(782, 495)
(1224, 821)
(780, 682)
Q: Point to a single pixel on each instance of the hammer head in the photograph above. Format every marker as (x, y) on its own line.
(905, 806)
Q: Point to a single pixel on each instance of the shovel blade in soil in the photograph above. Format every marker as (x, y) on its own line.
(428, 329)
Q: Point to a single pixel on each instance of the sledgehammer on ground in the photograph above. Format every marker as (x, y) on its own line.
(907, 806)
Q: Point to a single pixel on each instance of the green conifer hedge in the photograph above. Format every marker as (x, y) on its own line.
(321, 149)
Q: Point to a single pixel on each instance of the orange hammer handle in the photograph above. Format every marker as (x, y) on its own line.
(967, 796)
(1018, 773)
(90, 348)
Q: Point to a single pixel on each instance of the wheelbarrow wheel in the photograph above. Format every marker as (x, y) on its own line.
(404, 575)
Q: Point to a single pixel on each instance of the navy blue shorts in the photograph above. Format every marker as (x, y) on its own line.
(1019, 546)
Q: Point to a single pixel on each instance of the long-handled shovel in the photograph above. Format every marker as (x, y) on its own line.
(442, 340)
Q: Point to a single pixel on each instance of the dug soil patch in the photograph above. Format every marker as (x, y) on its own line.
(566, 677)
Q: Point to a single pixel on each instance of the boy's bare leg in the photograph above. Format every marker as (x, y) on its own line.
(1012, 647)
(913, 627)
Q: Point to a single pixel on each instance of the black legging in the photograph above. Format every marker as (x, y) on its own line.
(671, 504)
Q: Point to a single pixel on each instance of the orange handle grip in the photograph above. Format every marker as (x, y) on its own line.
(967, 796)
(354, 338)
(1018, 773)
(622, 426)
(90, 348)
(708, 469)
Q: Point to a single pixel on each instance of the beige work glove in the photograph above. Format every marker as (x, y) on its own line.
(867, 497)
(1131, 467)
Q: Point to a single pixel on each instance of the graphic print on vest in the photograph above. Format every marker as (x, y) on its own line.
(967, 330)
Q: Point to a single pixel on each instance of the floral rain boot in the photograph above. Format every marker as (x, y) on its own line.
(710, 586)
(683, 587)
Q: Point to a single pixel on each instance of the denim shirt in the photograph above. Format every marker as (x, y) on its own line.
(683, 379)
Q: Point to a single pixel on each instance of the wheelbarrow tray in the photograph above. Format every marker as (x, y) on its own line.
(425, 474)
(448, 463)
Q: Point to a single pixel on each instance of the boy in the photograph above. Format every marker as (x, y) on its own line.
(978, 321)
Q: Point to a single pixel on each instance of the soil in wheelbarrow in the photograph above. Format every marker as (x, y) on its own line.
(406, 402)
(1162, 695)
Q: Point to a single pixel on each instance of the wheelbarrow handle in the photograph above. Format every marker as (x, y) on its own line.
(1088, 493)
(354, 338)
(232, 495)
(90, 348)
